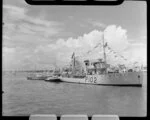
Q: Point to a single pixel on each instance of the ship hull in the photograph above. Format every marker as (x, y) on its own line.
(120, 79)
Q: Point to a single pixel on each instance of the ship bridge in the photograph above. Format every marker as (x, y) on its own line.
(96, 66)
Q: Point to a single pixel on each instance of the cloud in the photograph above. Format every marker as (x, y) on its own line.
(144, 37)
(70, 17)
(24, 29)
(7, 50)
(38, 30)
(14, 13)
(116, 37)
(59, 52)
(6, 37)
(63, 48)
(18, 14)
(18, 58)
(97, 23)
(40, 20)
(137, 52)
(8, 57)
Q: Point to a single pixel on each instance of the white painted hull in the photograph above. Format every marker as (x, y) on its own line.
(129, 78)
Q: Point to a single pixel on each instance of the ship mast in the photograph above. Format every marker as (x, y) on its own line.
(73, 62)
(104, 45)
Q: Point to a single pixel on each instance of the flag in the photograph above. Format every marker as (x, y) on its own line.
(73, 55)
(88, 51)
(105, 44)
(96, 46)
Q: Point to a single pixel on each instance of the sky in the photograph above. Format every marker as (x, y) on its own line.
(40, 37)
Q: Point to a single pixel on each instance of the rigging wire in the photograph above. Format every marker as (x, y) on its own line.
(109, 49)
(90, 51)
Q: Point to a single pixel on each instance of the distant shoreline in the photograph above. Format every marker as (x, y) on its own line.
(28, 71)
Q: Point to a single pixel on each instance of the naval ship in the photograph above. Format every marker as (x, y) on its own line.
(98, 73)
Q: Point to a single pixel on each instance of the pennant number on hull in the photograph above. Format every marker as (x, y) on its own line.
(91, 79)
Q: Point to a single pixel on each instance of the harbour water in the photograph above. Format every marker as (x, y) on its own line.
(23, 97)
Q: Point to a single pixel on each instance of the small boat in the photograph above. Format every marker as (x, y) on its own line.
(37, 77)
(55, 77)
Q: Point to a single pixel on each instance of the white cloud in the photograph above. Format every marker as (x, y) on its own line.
(61, 51)
(26, 31)
(6, 37)
(144, 37)
(70, 17)
(17, 17)
(8, 57)
(41, 21)
(26, 28)
(137, 52)
(14, 13)
(97, 23)
(8, 50)
(116, 37)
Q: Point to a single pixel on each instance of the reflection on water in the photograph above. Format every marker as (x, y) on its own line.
(25, 97)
